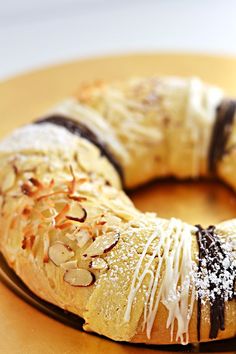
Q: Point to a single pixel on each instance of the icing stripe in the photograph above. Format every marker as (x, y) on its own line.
(83, 131)
(221, 132)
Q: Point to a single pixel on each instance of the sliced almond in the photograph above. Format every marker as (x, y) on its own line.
(79, 277)
(77, 198)
(61, 215)
(28, 242)
(69, 265)
(102, 244)
(98, 264)
(82, 237)
(45, 248)
(60, 253)
(77, 213)
(8, 180)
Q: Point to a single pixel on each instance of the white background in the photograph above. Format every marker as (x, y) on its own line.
(35, 33)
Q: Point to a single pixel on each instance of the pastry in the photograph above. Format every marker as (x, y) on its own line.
(76, 240)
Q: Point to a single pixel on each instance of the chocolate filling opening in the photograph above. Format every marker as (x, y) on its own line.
(221, 132)
(211, 262)
(83, 131)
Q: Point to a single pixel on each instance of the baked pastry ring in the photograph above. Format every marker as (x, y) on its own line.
(76, 240)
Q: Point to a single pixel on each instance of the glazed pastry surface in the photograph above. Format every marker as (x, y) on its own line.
(73, 236)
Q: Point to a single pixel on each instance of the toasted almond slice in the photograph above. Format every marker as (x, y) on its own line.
(59, 217)
(82, 237)
(98, 264)
(28, 242)
(8, 180)
(79, 277)
(60, 253)
(36, 182)
(77, 213)
(69, 264)
(102, 244)
(77, 198)
(45, 247)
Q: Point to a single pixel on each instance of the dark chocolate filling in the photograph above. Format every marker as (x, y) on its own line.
(221, 132)
(83, 131)
(211, 257)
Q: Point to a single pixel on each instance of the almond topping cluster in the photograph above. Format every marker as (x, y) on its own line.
(56, 213)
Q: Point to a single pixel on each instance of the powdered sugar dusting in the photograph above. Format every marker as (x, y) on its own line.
(214, 278)
(217, 272)
(45, 137)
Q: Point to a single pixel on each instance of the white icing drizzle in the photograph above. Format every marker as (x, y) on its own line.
(165, 242)
(176, 297)
(202, 101)
(147, 298)
(170, 283)
(193, 109)
(134, 289)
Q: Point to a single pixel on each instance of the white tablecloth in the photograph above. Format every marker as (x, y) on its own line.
(34, 33)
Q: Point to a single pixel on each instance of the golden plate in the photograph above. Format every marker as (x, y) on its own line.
(24, 329)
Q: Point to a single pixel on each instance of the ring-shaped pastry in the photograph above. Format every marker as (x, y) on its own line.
(76, 240)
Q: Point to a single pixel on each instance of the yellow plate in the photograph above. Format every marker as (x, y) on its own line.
(24, 329)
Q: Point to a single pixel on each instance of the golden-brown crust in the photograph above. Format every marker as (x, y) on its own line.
(161, 334)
